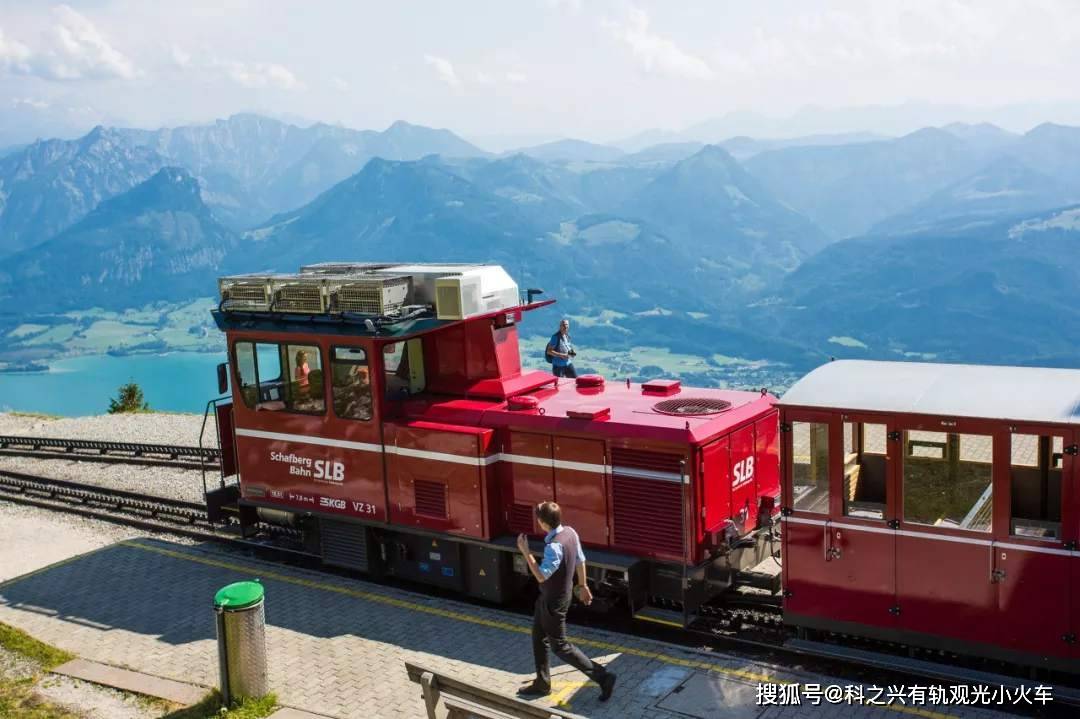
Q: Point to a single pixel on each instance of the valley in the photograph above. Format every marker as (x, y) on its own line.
(740, 263)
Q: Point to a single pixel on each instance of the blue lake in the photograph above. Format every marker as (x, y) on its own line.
(176, 382)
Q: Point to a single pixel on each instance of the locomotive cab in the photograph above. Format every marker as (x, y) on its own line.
(383, 411)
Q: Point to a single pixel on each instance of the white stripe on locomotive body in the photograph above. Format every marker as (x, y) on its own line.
(431, 455)
(309, 439)
(648, 474)
(933, 537)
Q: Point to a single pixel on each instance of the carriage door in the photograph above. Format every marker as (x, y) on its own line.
(810, 592)
(862, 542)
(944, 550)
(1031, 561)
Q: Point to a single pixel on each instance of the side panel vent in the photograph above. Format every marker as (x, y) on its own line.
(521, 518)
(344, 544)
(430, 498)
(642, 459)
(448, 301)
(647, 514)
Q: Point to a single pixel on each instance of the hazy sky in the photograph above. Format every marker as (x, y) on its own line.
(599, 70)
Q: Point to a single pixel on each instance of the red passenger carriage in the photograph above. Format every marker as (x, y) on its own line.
(935, 505)
(384, 411)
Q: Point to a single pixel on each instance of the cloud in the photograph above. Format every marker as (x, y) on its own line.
(13, 55)
(516, 78)
(339, 83)
(261, 75)
(444, 69)
(71, 48)
(74, 49)
(180, 57)
(573, 6)
(29, 102)
(654, 52)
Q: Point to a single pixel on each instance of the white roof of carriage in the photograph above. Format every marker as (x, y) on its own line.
(1023, 394)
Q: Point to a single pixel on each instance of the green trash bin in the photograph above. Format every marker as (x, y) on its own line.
(241, 635)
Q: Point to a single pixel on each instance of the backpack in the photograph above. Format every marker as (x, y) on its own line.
(547, 355)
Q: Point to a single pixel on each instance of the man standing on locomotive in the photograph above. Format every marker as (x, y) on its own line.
(560, 352)
(563, 560)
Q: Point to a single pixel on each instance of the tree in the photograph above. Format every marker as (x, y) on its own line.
(129, 399)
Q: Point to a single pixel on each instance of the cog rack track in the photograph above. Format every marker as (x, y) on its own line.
(179, 456)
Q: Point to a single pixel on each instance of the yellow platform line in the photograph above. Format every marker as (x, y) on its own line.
(609, 647)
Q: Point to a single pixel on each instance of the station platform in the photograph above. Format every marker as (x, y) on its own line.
(337, 645)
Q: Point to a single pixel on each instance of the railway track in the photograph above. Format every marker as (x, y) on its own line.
(141, 511)
(162, 455)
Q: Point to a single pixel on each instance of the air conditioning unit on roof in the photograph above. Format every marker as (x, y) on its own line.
(473, 292)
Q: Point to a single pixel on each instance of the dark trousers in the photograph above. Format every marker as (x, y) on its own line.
(567, 371)
(549, 631)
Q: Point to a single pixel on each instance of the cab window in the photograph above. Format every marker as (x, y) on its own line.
(351, 383)
(277, 377)
(403, 369)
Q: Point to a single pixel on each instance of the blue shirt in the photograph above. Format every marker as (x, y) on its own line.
(553, 553)
(561, 343)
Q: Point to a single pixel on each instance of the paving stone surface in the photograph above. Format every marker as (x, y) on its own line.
(337, 646)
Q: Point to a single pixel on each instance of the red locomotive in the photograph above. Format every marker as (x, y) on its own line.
(383, 410)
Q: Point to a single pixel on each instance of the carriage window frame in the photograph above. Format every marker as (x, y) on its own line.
(1039, 529)
(811, 501)
(909, 483)
(855, 431)
(283, 367)
(371, 389)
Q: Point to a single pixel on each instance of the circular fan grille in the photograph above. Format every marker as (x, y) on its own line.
(691, 406)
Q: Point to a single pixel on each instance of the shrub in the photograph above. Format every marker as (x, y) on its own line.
(129, 399)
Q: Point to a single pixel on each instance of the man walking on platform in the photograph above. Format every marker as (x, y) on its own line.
(563, 560)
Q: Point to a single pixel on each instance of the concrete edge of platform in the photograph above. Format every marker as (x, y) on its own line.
(131, 681)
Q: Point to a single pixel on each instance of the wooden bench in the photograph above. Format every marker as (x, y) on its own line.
(462, 700)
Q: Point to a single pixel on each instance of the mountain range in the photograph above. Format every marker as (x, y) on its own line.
(944, 242)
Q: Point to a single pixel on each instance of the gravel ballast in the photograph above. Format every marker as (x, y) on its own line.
(148, 428)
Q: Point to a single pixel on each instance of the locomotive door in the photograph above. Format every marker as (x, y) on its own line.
(531, 478)
(581, 487)
(1031, 559)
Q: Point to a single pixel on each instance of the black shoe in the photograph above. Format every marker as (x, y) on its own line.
(607, 686)
(536, 689)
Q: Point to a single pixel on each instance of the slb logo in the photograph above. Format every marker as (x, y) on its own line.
(743, 471)
(325, 469)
